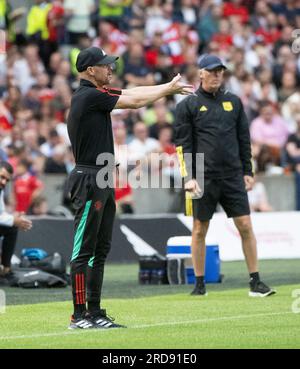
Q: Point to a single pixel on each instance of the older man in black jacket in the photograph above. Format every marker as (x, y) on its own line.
(213, 122)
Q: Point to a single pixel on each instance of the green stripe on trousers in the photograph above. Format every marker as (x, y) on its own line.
(91, 262)
(80, 231)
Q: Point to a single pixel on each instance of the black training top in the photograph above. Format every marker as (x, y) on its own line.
(215, 125)
(89, 122)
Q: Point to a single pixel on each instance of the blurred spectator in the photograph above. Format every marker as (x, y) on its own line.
(55, 22)
(112, 10)
(56, 164)
(269, 133)
(111, 39)
(258, 198)
(159, 112)
(123, 191)
(162, 121)
(293, 157)
(38, 207)
(124, 198)
(6, 119)
(26, 186)
(122, 151)
(136, 72)
(259, 18)
(236, 9)
(26, 68)
(244, 38)
(38, 30)
(155, 49)
(142, 145)
(208, 25)
(182, 43)
(4, 10)
(158, 17)
(290, 108)
(187, 12)
(288, 86)
(31, 140)
(78, 18)
(48, 147)
(224, 37)
(170, 167)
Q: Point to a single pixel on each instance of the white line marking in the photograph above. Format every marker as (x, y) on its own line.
(208, 320)
(140, 247)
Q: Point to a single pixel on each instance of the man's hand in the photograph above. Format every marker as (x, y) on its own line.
(193, 187)
(177, 87)
(22, 222)
(249, 182)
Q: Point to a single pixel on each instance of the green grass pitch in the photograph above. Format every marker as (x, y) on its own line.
(163, 317)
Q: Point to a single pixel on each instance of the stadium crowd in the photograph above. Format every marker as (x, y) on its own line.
(155, 39)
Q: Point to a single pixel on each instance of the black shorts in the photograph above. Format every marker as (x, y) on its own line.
(230, 193)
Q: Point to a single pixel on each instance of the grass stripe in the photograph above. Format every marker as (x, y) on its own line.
(165, 324)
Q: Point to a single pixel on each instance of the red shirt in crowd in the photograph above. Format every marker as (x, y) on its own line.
(54, 19)
(24, 187)
(269, 37)
(230, 9)
(120, 193)
(225, 41)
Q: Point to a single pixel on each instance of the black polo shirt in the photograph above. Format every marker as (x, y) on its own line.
(89, 122)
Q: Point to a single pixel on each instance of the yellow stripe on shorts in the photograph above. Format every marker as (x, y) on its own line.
(182, 165)
(188, 204)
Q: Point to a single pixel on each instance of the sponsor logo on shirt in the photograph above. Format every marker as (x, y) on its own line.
(227, 105)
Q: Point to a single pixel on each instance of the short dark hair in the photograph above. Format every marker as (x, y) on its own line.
(25, 163)
(7, 166)
(264, 103)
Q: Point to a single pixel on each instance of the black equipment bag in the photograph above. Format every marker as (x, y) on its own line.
(34, 278)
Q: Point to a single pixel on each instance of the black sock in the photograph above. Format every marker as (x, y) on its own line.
(78, 310)
(254, 277)
(94, 307)
(200, 280)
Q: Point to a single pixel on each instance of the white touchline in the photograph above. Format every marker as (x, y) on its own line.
(208, 320)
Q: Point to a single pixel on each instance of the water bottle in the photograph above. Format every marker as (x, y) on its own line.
(144, 276)
(154, 276)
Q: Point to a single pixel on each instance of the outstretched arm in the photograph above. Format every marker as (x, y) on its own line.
(138, 97)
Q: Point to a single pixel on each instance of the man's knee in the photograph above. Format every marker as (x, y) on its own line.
(244, 227)
(200, 229)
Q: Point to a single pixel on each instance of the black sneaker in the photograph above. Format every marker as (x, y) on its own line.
(259, 289)
(81, 323)
(199, 290)
(103, 321)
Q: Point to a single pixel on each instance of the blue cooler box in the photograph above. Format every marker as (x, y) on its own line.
(179, 248)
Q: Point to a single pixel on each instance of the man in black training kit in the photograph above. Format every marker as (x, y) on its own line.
(213, 122)
(90, 131)
(9, 225)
